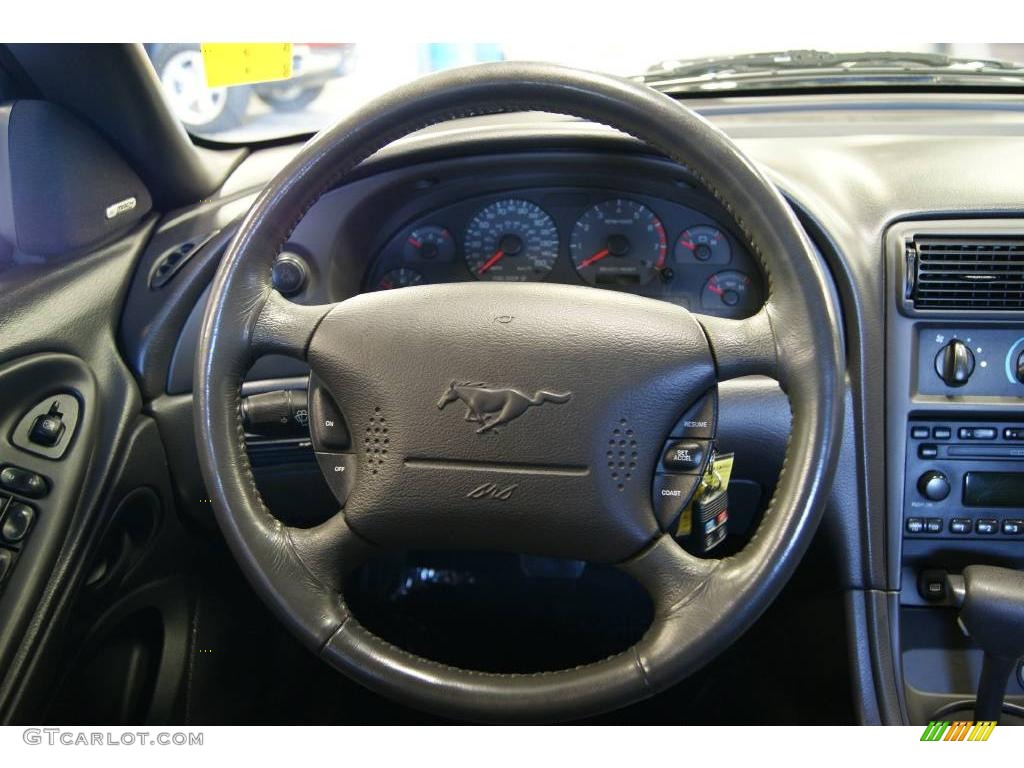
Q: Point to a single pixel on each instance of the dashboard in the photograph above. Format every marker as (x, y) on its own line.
(540, 198)
(590, 236)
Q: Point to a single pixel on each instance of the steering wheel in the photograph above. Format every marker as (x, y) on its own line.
(556, 379)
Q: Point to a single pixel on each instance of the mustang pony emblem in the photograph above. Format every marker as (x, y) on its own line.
(491, 407)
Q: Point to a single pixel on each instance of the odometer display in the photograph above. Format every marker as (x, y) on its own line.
(511, 240)
(618, 243)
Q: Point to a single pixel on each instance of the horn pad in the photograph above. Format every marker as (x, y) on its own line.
(484, 415)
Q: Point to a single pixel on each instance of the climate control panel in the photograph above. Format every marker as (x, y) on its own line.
(970, 361)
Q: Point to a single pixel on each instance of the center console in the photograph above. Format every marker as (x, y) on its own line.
(955, 440)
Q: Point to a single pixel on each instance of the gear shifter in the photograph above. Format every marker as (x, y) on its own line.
(992, 613)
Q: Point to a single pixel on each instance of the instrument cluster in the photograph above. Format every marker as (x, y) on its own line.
(625, 242)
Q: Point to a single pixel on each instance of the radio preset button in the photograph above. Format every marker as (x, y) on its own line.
(961, 525)
(986, 527)
(1013, 527)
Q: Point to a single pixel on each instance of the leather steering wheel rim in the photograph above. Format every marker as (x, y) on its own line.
(700, 605)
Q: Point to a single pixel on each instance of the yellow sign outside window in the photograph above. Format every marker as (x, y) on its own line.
(238, 63)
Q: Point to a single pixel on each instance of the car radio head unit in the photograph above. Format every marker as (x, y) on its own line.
(964, 479)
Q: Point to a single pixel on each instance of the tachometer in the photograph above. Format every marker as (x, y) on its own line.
(618, 242)
(512, 240)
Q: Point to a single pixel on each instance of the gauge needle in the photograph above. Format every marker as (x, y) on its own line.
(591, 259)
(688, 245)
(491, 261)
(714, 287)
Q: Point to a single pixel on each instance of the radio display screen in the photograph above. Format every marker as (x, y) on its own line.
(994, 489)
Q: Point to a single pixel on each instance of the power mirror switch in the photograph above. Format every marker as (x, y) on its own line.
(48, 428)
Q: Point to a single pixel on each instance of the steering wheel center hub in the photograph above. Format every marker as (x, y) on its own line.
(485, 415)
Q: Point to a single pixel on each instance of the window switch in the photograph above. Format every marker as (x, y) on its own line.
(48, 428)
(6, 561)
(17, 521)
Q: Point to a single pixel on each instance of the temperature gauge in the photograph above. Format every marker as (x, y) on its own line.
(729, 290)
(429, 243)
(399, 278)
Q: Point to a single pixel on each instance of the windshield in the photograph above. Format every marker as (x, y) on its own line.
(329, 80)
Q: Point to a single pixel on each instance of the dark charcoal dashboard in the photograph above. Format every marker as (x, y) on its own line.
(544, 199)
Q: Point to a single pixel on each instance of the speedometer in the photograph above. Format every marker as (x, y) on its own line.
(511, 240)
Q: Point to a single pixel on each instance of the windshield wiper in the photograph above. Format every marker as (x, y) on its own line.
(809, 69)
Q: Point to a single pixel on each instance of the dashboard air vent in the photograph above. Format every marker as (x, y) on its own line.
(973, 273)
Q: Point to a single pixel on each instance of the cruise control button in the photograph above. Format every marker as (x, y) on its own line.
(961, 525)
(671, 494)
(340, 472)
(699, 421)
(23, 482)
(915, 525)
(684, 456)
(17, 521)
(986, 527)
(1013, 527)
(326, 425)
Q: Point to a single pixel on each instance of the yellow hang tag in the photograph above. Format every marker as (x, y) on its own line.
(238, 63)
(718, 473)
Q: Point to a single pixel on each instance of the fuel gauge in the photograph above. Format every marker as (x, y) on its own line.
(429, 243)
(729, 290)
(703, 244)
(399, 278)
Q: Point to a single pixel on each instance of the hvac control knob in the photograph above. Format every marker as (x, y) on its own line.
(933, 485)
(955, 363)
